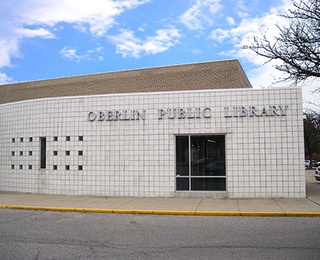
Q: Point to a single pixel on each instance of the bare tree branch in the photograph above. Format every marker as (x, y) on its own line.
(297, 46)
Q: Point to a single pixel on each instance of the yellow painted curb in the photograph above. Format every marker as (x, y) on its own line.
(263, 214)
(93, 210)
(173, 212)
(217, 213)
(132, 211)
(167, 212)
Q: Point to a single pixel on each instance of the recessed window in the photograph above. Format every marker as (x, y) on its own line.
(68, 138)
(55, 153)
(43, 149)
(67, 153)
(80, 153)
(30, 139)
(80, 138)
(21, 139)
(13, 140)
(21, 153)
(80, 167)
(30, 153)
(200, 163)
(55, 138)
(30, 167)
(12, 166)
(12, 153)
(20, 167)
(67, 167)
(55, 167)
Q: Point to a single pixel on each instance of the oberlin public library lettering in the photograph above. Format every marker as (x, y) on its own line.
(188, 113)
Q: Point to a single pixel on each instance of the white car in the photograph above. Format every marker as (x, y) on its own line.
(317, 172)
(307, 163)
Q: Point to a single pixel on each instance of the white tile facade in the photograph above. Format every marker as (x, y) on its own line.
(264, 154)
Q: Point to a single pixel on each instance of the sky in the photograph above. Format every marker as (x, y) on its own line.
(45, 39)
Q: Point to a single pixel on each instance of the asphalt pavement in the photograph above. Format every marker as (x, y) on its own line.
(309, 206)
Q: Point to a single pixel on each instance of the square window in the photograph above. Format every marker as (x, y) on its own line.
(12, 153)
(80, 167)
(80, 153)
(208, 172)
(55, 153)
(67, 167)
(30, 167)
(30, 153)
(80, 138)
(21, 153)
(67, 153)
(30, 139)
(13, 140)
(20, 167)
(55, 138)
(68, 138)
(55, 167)
(21, 139)
(12, 167)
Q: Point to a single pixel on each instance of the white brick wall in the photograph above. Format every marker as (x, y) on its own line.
(264, 155)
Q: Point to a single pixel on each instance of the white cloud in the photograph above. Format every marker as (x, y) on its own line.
(200, 13)
(261, 75)
(71, 54)
(129, 45)
(28, 33)
(4, 79)
(38, 18)
(230, 20)
(8, 48)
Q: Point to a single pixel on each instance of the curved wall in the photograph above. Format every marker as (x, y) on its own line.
(92, 151)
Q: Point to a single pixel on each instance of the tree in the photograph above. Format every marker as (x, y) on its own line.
(297, 46)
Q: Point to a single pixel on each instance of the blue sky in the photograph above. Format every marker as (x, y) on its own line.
(42, 39)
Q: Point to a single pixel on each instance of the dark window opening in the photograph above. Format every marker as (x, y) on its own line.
(200, 163)
(43, 147)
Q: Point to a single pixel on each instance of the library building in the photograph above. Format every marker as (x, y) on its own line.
(192, 130)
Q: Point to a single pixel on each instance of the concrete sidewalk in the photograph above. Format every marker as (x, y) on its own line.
(309, 206)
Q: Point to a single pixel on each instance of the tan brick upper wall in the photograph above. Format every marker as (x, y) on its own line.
(198, 76)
